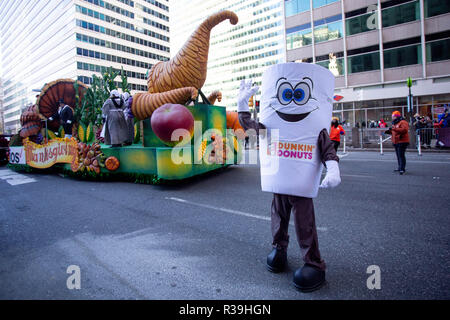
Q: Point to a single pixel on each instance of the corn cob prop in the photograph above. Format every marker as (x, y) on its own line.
(179, 79)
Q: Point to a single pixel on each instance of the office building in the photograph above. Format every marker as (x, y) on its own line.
(43, 40)
(372, 47)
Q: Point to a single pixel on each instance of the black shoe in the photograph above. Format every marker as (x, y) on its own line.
(402, 172)
(396, 170)
(277, 260)
(309, 278)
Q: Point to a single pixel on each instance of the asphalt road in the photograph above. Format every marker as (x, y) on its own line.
(208, 238)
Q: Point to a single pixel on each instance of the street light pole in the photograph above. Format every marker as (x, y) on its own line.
(410, 99)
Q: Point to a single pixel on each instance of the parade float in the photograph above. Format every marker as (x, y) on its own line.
(174, 101)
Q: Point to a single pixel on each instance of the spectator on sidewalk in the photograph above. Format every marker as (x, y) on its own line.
(400, 139)
(335, 132)
(444, 118)
(382, 123)
(419, 125)
(427, 131)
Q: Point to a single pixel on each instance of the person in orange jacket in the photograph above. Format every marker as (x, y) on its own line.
(400, 139)
(335, 132)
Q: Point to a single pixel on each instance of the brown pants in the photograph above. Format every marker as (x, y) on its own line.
(305, 226)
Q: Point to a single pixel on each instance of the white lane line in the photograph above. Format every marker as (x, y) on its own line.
(236, 212)
(356, 176)
(342, 155)
(395, 160)
(14, 178)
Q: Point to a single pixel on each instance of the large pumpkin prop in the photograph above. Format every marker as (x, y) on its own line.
(233, 123)
(112, 163)
(52, 92)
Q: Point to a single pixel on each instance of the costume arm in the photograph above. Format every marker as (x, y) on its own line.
(247, 122)
(330, 160)
(326, 148)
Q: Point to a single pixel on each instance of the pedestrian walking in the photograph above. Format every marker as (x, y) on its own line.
(400, 139)
(336, 131)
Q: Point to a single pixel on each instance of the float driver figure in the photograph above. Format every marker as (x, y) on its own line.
(65, 116)
(296, 108)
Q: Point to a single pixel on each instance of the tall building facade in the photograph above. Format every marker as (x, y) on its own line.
(242, 51)
(43, 40)
(372, 47)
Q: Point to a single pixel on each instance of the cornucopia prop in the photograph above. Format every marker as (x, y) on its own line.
(179, 79)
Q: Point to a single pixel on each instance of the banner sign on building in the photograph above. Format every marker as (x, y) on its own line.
(59, 150)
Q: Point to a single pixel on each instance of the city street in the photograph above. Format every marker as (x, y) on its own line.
(208, 238)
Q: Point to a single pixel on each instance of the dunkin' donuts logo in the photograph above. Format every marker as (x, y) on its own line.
(294, 151)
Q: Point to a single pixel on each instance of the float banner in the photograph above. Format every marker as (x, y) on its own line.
(59, 150)
(16, 155)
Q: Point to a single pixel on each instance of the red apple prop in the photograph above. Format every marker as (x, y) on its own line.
(170, 117)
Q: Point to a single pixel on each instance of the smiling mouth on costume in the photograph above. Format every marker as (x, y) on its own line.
(289, 117)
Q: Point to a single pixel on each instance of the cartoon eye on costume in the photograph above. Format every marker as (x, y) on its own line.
(302, 93)
(285, 93)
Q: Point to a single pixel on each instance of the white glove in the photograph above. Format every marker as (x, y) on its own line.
(245, 92)
(50, 119)
(69, 122)
(333, 177)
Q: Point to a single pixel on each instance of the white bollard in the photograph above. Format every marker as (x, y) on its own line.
(381, 145)
(344, 145)
(419, 147)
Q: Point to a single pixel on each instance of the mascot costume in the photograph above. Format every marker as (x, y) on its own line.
(296, 108)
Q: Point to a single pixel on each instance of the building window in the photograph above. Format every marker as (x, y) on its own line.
(438, 50)
(328, 29)
(436, 7)
(358, 24)
(334, 64)
(293, 7)
(363, 62)
(320, 3)
(402, 56)
(401, 14)
(298, 36)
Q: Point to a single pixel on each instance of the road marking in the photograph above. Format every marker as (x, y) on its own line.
(236, 212)
(356, 176)
(395, 160)
(14, 178)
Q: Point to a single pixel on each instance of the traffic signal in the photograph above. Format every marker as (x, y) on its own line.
(257, 105)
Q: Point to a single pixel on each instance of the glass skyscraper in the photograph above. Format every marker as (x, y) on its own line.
(236, 52)
(43, 40)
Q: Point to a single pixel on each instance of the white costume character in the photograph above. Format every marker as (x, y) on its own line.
(296, 108)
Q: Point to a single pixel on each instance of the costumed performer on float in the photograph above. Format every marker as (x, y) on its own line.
(296, 107)
(115, 129)
(129, 117)
(65, 116)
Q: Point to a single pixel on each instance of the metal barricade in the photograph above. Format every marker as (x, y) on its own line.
(371, 137)
(425, 138)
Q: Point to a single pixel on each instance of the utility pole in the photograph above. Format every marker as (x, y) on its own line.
(410, 99)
